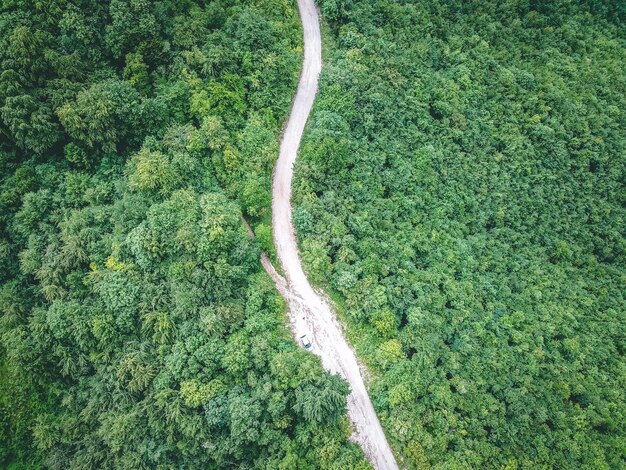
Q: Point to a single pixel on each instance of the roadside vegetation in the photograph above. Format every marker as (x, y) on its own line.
(461, 192)
(138, 329)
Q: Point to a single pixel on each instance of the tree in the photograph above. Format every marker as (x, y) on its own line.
(102, 115)
(32, 124)
(138, 328)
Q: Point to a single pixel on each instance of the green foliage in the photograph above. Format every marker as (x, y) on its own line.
(263, 234)
(30, 122)
(151, 171)
(102, 115)
(138, 329)
(461, 190)
(136, 71)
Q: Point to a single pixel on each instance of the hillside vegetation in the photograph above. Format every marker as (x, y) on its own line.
(461, 191)
(138, 330)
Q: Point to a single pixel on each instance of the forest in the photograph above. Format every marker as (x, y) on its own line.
(460, 193)
(138, 329)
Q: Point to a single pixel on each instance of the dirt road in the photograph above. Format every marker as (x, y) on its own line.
(310, 312)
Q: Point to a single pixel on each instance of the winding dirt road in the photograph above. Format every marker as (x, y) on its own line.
(309, 311)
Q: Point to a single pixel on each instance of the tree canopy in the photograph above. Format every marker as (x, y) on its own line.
(138, 329)
(461, 192)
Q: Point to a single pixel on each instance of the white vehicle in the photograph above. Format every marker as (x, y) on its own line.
(305, 342)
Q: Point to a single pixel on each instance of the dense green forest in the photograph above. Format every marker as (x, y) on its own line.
(137, 329)
(461, 192)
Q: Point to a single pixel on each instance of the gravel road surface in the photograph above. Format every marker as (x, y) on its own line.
(310, 311)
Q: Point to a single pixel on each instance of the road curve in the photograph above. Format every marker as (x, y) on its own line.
(310, 312)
